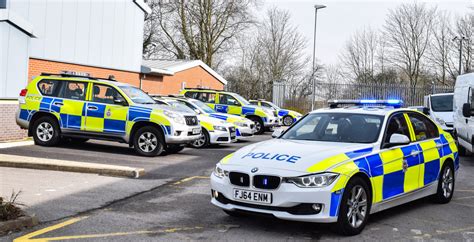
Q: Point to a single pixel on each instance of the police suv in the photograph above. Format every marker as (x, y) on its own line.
(340, 164)
(78, 108)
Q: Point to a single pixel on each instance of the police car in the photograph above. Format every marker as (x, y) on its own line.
(78, 108)
(288, 117)
(245, 128)
(214, 131)
(340, 164)
(233, 103)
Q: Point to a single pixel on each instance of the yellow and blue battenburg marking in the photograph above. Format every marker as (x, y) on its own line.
(389, 175)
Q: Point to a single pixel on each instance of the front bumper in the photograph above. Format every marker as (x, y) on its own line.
(284, 199)
(183, 134)
(221, 137)
(244, 132)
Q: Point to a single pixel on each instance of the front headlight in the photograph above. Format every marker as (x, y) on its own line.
(240, 124)
(219, 172)
(175, 117)
(220, 128)
(314, 180)
(440, 121)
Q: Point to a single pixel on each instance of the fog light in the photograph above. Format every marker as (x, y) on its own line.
(215, 194)
(317, 207)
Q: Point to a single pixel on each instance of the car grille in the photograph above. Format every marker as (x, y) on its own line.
(266, 182)
(239, 179)
(191, 120)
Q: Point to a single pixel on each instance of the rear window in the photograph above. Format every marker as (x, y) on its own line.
(50, 88)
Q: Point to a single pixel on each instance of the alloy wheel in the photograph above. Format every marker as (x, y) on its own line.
(147, 142)
(447, 182)
(45, 131)
(357, 204)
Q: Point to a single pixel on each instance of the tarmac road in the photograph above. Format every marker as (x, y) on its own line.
(178, 207)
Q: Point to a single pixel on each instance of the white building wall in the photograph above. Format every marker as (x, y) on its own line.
(14, 46)
(102, 33)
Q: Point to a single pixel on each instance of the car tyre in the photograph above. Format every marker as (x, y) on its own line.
(446, 182)
(355, 207)
(202, 142)
(46, 131)
(148, 141)
(173, 149)
(287, 120)
(259, 126)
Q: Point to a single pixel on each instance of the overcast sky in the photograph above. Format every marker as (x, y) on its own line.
(340, 19)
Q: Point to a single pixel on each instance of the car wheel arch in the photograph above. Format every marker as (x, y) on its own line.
(141, 124)
(38, 115)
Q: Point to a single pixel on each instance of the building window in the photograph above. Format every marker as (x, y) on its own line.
(3, 4)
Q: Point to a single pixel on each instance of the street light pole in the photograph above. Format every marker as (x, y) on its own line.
(460, 39)
(313, 99)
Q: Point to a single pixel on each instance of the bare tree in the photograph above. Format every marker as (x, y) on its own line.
(440, 52)
(465, 28)
(360, 56)
(197, 29)
(408, 30)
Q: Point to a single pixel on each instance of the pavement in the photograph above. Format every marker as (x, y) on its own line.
(171, 202)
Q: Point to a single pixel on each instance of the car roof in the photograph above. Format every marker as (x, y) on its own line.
(373, 110)
(98, 80)
(442, 94)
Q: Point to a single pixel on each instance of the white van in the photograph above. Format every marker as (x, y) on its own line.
(464, 112)
(440, 109)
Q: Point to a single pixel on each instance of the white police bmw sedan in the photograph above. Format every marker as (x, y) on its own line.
(340, 164)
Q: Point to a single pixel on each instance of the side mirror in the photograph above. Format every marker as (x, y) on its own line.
(236, 103)
(197, 111)
(277, 132)
(398, 139)
(426, 110)
(466, 110)
(120, 101)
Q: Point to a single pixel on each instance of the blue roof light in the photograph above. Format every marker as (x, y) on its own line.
(396, 103)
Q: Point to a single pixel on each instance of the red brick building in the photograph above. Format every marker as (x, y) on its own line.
(171, 76)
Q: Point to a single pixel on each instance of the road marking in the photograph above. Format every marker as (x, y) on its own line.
(46, 230)
(30, 237)
(15, 144)
(462, 204)
(455, 230)
(461, 198)
(190, 179)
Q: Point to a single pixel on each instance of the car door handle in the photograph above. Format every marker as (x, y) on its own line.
(439, 146)
(58, 104)
(93, 108)
(414, 152)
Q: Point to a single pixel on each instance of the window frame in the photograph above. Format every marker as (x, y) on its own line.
(86, 94)
(426, 118)
(408, 123)
(110, 86)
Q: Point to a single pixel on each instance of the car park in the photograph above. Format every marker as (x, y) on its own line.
(77, 108)
(245, 128)
(233, 103)
(214, 131)
(339, 165)
(287, 117)
(440, 108)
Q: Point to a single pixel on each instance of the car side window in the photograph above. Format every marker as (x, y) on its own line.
(190, 94)
(471, 98)
(227, 99)
(75, 90)
(266, 105)
(50, 88)
(105, 94)
(396, 125)
(424, 129)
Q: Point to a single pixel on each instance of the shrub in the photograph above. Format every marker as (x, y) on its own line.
(10, 208)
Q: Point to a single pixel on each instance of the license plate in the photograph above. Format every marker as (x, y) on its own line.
(253, 196)
(196, 131)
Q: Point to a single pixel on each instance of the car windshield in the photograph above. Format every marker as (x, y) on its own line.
(137, 95)
(442, 103)
(337, 127)
(203, 106)
(241, 99)
(179, 106)
(272, 105)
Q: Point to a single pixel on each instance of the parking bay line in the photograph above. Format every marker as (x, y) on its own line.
(30, 236)
(190, 179)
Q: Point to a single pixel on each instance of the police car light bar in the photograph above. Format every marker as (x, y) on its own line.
(396, 103)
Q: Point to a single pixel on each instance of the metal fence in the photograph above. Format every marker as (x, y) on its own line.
(411, 96)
